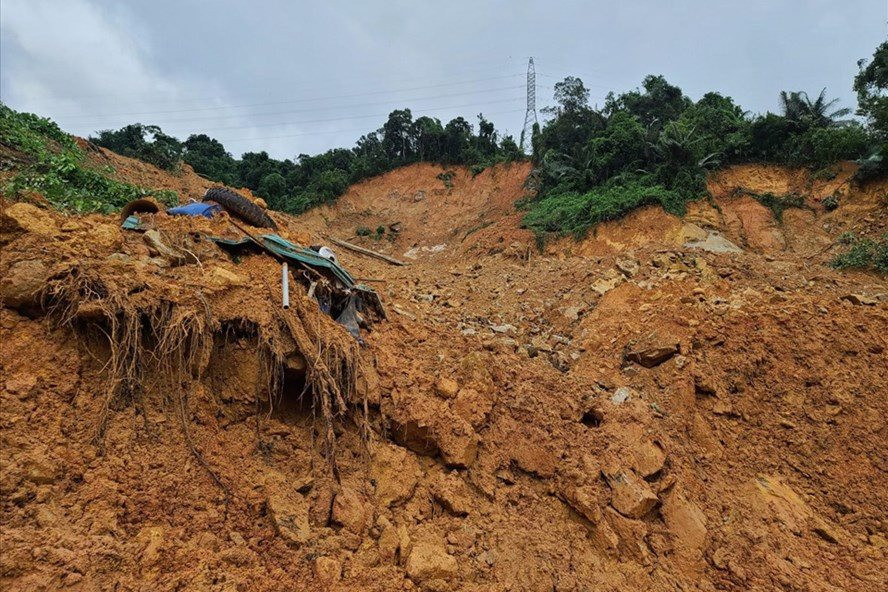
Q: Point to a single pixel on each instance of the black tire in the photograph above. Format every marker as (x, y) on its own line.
(239, 206)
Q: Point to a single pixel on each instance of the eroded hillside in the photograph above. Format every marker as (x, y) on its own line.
(666, 404)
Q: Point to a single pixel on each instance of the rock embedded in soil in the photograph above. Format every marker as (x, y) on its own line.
(389, 542)
(394, 470)
(328, 570)
(430, 561)
(585, 500)
(288, 511)
(446, 387)
(631, 495)
(860, 299)
(653, 352)
(23, 217)
(628, 267)
(649, 458)
(20, 287)
(686, 522)
(472, 406)
(453, 494)
(350, 510)
(621, 395)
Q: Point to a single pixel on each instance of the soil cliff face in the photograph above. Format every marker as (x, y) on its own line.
(692, 403)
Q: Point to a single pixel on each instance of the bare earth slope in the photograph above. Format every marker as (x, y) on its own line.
(692, 404)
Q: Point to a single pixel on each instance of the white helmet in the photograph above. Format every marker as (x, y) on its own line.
(327, 253)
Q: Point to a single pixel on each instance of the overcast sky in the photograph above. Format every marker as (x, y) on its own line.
(301, 77)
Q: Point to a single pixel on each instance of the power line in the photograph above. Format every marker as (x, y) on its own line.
(306, 100)
(358, 116)
(312, 84)
(316, 109)
(360, 129)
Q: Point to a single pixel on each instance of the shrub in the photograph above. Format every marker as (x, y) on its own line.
(864, 254)
(821, 147)
(874, 166)
(830, 203)
(779, 203)
(575, 213)
(447, 178)
(362, 231)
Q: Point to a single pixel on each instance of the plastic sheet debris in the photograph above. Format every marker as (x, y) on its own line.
(207, 210)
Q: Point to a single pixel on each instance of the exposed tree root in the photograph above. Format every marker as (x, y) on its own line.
(165, 344)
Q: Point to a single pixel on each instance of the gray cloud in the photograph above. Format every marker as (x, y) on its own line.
(294, 77)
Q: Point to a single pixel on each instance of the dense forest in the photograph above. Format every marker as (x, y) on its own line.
(296, 185)
(652, 145)
(649, 145)
(655, 145)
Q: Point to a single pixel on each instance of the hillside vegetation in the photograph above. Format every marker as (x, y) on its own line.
(43, 159)
(652, 145)
(655, 145)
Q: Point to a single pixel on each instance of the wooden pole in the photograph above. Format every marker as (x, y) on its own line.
(367, 252)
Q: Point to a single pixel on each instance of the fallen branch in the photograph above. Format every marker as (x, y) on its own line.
(367, 252)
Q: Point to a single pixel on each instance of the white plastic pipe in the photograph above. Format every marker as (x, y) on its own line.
(285, 286)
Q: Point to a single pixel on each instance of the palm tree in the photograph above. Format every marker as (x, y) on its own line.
(801, 110)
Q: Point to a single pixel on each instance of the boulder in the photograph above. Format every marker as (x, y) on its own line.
(394, 470)
(327, 570)
(288, 511)
(20, 287)
(350, 510)
(429, 561)
(452, 493)
(652, 351)
(23, 217)
(631, 495)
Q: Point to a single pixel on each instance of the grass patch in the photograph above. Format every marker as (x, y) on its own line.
(53, 165)
(864, 253)
(778, 203)
(575, 213)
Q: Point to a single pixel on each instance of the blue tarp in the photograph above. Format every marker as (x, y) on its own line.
(195, 209)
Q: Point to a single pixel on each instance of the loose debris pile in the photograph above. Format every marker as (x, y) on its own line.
(162, 299)
(642, 410)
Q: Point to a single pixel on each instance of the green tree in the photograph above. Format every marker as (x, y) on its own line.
(800, 110)
(660, 102)
(273, 187)
(145, 142)
(571, 95)
(871, 85)
(209, 158)
(397, 140)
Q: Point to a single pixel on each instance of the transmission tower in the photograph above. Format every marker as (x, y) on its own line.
(530, 116)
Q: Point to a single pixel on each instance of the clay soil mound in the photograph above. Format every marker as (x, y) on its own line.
(692, 404)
